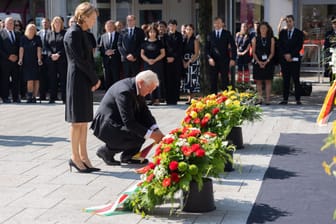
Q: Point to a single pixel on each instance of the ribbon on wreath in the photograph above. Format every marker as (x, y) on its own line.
(143, 153)
(114, 208)
(327, 106)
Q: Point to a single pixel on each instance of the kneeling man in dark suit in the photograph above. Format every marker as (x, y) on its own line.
(123, 121)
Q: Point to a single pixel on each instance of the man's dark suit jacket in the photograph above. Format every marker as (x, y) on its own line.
(218, 49)
(130, 45)
(6, 46)
(104, 45)
(291, 45)
(123, 117)
(43, 34)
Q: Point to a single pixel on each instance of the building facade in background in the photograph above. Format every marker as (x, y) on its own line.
(312, 16)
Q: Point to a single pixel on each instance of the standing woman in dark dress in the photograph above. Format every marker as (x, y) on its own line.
(173, 73)
(152, 53)
(243, 43)
(57, 65)
(30, 58)
(263, 46)
(191, 53)
(82, 80)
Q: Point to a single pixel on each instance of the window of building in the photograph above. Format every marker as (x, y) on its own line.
(316, 20)
(123, 8)
(150, 16)
(248, 11)
(150, 1)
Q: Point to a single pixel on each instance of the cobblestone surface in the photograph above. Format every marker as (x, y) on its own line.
(37, 187)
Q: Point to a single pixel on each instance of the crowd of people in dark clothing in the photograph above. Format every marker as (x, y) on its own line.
(34, 66)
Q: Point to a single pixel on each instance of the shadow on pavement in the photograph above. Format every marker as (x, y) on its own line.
(17, 141)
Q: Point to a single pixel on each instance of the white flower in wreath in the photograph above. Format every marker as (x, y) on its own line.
(160, 172)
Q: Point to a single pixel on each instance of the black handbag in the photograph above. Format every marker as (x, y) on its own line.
(306, 88)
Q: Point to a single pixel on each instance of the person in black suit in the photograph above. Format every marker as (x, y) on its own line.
(43, 33)
(82, 80)
(109, 51)
(174, 50)
(129, 46)
(290, 44)
(221, 52)
(123, 121)
(9, 52)
(57, 63)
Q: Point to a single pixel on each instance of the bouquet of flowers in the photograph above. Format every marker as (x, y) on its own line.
(185, 154)
(220, 113)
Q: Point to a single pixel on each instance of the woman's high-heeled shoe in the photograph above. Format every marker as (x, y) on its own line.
(72, 164)
(93, 169)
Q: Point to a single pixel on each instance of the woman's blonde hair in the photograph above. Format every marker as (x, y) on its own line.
(84, 9)
(28, 27)
(56, 18)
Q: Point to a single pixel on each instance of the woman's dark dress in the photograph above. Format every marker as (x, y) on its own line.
(30, 67)
(152, 50)
(242, 43)
(263, 47)
(81, 76)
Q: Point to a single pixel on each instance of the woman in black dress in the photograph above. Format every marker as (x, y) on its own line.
(243, 43)
(173, 73)
(81, 82)
(152, 52)
(191, 63)
(263, 46)
(57, 65)
(30, 58)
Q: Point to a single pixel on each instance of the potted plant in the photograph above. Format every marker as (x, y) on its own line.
(184, 156)
(222, 112)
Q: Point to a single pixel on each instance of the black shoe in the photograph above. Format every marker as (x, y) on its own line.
(93, 169)
(51, 101)
(283, 102)
(16, 101)
(135, 161)
(101, 153)
(72, 164)
(298, 102)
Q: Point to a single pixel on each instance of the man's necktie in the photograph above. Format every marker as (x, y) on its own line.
(12, 37)
(131, 32)
(111, 40)
(289, 34)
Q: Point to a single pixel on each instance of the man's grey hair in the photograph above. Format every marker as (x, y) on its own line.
(148, 76)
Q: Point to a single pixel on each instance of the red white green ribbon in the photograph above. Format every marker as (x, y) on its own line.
(327, 105)
(114, 208)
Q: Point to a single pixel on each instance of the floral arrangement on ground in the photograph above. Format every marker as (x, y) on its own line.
(220, 113)
(184, 155)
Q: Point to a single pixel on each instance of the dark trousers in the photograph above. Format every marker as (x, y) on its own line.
(172, 80)
(131, 69)
(291, 70)
(57, 71)
(10, 69)
(223, 69)
(43, 77)
(111, 71)
(126, 142)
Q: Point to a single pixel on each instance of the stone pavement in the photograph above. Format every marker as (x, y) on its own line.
(37, 187)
